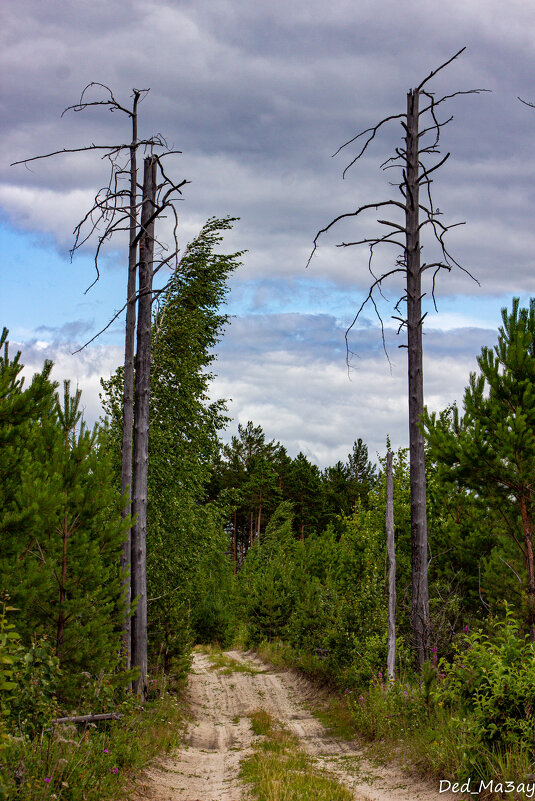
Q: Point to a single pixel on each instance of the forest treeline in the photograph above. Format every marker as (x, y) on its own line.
(247, 544)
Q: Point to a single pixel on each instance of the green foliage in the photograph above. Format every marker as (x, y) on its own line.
(90, 765)
(188, 570)
(325, 596)
(489, 688)
(61, 530)
(489, 453)
(35, 703)
(9, 647)
(267, 591)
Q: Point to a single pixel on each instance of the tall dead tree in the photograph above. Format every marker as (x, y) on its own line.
(115, 209)
(128, 378)
(416, 215)
(141, 426)
(391, 551)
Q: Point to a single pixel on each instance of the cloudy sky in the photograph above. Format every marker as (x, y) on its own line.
(258, 97)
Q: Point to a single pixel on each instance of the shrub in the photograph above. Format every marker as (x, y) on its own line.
(490, 687)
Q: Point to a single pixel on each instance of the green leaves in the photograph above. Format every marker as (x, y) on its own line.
(61, 527)
(9, 647)
(491, 682)
(490, 451)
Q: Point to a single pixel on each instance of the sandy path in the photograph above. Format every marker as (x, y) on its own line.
(207, 767)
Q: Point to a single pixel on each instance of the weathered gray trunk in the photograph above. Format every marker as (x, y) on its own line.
(128, 389)
(420, 594)
(391, 550)
(141, 429)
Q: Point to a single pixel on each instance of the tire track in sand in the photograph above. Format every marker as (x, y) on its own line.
(206, 767)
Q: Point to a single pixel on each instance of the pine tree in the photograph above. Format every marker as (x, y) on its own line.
(61, 528)
(491, 449)
(362, 473)
(303, 487)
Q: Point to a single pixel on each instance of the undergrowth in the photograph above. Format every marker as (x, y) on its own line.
(472, 718)
(69, 763)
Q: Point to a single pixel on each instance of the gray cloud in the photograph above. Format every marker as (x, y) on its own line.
(288, 374)
(258, 96)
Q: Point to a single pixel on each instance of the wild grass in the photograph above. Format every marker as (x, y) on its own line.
(404, 722)
(281, 654)
(90, 764)
(336, 718)
(278, 771)
(226, 665)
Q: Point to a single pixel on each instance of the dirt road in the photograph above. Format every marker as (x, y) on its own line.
(220, 736)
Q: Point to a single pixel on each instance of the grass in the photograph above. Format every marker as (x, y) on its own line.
(336, 718)
(226, 665)
(399, 725)
(281, 654)
(278, 771)
(93, 764)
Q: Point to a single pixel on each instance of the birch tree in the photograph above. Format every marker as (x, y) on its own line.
(417, 159)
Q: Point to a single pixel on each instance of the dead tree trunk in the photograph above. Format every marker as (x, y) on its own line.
(128, 389)
(235, 544)
(527, 527)
(405, 236)
(420, 594)
(63, 585)
(115, 209)
(391, 550)
(141, 428)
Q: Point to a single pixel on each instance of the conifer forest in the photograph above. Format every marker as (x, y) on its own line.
(152, 564)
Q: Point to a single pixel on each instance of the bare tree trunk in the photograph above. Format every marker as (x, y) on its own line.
(128, 389)
(530, 565)
(391, 549)
(259, 518)
(62, 589)
(141, 429)
(420, 594)
(235, 537)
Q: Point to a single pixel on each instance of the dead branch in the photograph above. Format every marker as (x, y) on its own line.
(352, 214)
(87, 718)
(399, 160)
(438, 69)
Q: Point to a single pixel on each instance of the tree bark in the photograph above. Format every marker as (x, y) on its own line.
(62, 589)
(128, 389)
(87, 718)
(141, 429)
(527, 527)
(235, 538)
(259, 518)
(420, 595)
(391, 549)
